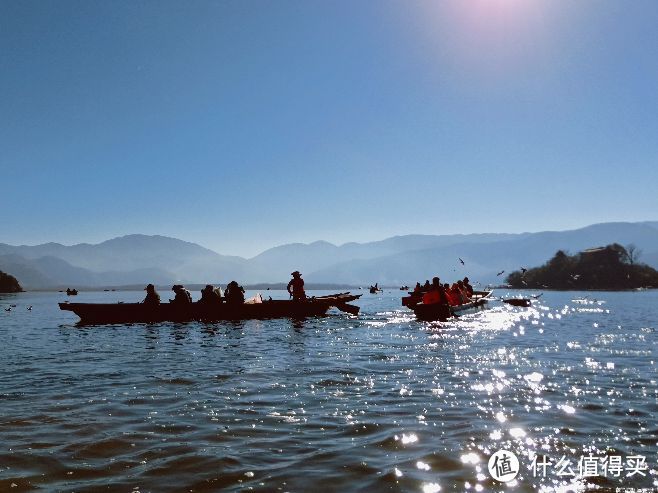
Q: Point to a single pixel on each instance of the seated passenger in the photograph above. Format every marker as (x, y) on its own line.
(462, 288)
(418, 288)
(152, 297)
(452, 299)
(183, 296)
(210, 295)
(436, 294)
(234, 293)
(456, 294)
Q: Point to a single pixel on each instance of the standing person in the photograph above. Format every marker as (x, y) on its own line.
(152, 296)
(296, 287)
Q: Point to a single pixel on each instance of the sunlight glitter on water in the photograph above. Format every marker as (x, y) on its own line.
(417, 401)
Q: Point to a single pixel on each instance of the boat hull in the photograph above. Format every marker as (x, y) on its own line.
(125, 313)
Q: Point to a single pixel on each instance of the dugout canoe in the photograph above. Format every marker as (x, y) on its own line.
(442, 312)
(127, 313)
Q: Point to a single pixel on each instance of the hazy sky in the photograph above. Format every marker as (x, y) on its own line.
(240, 125)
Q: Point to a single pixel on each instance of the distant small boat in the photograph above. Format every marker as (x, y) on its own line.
(587, 301)
(525, 302)
(404, 288)
(375, 289)
(71, 292)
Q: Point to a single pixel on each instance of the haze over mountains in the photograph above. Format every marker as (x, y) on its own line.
(140, 259)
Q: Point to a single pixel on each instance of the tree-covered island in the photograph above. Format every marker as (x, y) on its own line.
(9, 284)
(612, 267)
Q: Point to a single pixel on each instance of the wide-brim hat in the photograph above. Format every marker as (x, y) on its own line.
(296, 273)
(176, 286)
(149, 286)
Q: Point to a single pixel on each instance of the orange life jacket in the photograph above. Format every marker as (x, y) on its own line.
(431, 297)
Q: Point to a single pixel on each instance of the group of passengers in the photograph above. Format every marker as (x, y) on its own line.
(435, 292)
(233, 294)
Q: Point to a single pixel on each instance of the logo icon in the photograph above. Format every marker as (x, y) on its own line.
(503, 466)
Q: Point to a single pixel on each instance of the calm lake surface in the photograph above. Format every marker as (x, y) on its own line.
(378, 402)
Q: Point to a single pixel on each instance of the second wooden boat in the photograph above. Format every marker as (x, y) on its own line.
(441, 311)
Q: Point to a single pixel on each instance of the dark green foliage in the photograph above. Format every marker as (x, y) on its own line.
(611, 267)
(9, 284)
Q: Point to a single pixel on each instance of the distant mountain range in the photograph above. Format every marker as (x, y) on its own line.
(140, 259)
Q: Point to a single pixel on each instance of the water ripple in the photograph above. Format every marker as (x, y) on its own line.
(378, 402)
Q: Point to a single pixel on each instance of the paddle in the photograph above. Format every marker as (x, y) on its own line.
(347, 308)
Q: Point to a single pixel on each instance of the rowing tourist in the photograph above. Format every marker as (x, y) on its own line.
(464, 292)
(210, 295)
(234, 293)
(296, 286)
(453, 298)
(468, 287)
(183, 296)
(436, 293)
(152, 297)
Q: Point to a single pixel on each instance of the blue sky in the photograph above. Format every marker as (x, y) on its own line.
(241, 125)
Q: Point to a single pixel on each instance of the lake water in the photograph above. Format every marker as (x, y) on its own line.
(378, 402)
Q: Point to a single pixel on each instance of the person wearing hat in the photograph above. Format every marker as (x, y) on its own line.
(152, 297)
(183, 296)
(468, 287)
(296, 286)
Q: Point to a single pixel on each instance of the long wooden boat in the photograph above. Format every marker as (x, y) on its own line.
(122, 313)
(442, 312)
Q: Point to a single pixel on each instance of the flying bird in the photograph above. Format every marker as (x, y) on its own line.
(500, 273)
(461, 260)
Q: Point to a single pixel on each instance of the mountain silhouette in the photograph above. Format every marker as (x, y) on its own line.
(140, 259)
